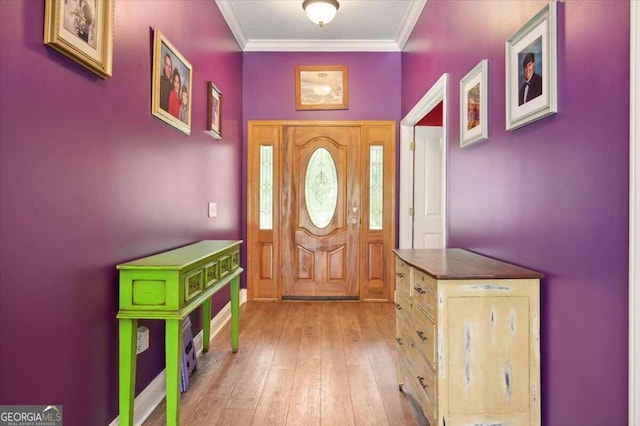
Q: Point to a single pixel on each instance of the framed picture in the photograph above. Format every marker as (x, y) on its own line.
(474, 125)
(171, 91)
(214, 111)
(82, 30)
(531, 69)
(322, 87)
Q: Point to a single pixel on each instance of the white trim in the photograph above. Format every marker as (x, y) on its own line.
(321, 46)
(233, 21)
(409, 21)
(154, 393)
(634, 219)
(436, 94)
(229, 14)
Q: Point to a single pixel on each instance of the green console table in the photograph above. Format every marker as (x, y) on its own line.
(168, 286)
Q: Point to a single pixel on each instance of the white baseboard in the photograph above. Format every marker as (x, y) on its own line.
(155, 392)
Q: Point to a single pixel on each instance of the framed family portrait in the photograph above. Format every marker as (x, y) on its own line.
(171, 89)
(322, 87)
(214, 111)
(82, 30)
(531, 69)
(474, 126)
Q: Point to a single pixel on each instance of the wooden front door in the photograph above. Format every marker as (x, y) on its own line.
(321, 212)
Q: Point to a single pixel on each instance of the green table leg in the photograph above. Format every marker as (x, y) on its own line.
(206, 324)
(173, 347)
(235, 312)
(127, 372)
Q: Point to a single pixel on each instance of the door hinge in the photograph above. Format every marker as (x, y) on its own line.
(412, 146)
(411, 211)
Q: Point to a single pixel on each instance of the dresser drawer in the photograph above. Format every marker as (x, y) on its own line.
(193, 283)
(402, 275)
(420, 385)
(424, 292)
(423, 331)
(211, 273)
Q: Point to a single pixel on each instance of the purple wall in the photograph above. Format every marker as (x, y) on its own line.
(269, 85)
(553, 195)
(90, 179)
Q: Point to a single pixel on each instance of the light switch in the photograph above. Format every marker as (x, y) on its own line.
(213, 209)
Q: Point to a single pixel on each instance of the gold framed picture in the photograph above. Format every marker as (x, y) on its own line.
(322, 87)
(172, 81)
(214, 110)
(82, 30)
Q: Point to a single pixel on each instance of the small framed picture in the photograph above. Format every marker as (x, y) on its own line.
(82, 30)
(322, 87)
(531, 69)
(214, 111)
(474, 125)
(171, 90)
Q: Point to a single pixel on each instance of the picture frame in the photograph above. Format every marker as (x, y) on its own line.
(474, 89)
(168, 101)
(322, 87)
(82, 30)
(214, 110)
(536, 44)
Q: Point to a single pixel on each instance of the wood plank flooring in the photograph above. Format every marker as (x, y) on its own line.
(300, 363)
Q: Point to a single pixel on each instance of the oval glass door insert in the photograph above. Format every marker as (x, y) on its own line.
(321, 187)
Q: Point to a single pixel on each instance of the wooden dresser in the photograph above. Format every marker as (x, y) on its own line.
(468, 337)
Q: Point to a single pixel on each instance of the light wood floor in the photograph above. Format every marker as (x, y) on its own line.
(300, 363)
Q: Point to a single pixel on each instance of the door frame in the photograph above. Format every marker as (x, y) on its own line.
(263, 247)
(634, 218)
(436, 94)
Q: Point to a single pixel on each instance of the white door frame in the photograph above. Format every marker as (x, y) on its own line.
(436, 94)
(634, 220)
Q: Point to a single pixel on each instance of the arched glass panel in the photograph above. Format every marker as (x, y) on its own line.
(321, 187)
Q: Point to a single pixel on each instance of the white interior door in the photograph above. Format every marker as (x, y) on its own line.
(436, 94)
(428, 188)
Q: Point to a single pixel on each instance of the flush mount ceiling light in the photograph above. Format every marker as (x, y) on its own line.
(320, 11)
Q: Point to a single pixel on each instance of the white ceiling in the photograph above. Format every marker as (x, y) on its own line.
(359, 25)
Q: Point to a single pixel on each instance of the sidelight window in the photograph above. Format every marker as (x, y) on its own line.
(266, 187)
(375, 187)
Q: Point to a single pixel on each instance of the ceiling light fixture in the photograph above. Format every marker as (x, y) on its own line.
(320, 11)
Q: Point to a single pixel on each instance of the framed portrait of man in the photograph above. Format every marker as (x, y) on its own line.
(531, 69)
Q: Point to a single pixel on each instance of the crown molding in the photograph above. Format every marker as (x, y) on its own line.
(321, 46)
(285, 45)
(409, 21)
(229, 14)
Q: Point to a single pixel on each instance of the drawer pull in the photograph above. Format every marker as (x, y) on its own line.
(400, 274)
(421, 335)
(424, 385)
(419, 290)
(399, 340)
(398, 307)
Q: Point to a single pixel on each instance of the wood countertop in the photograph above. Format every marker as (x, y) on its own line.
(459, 264)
